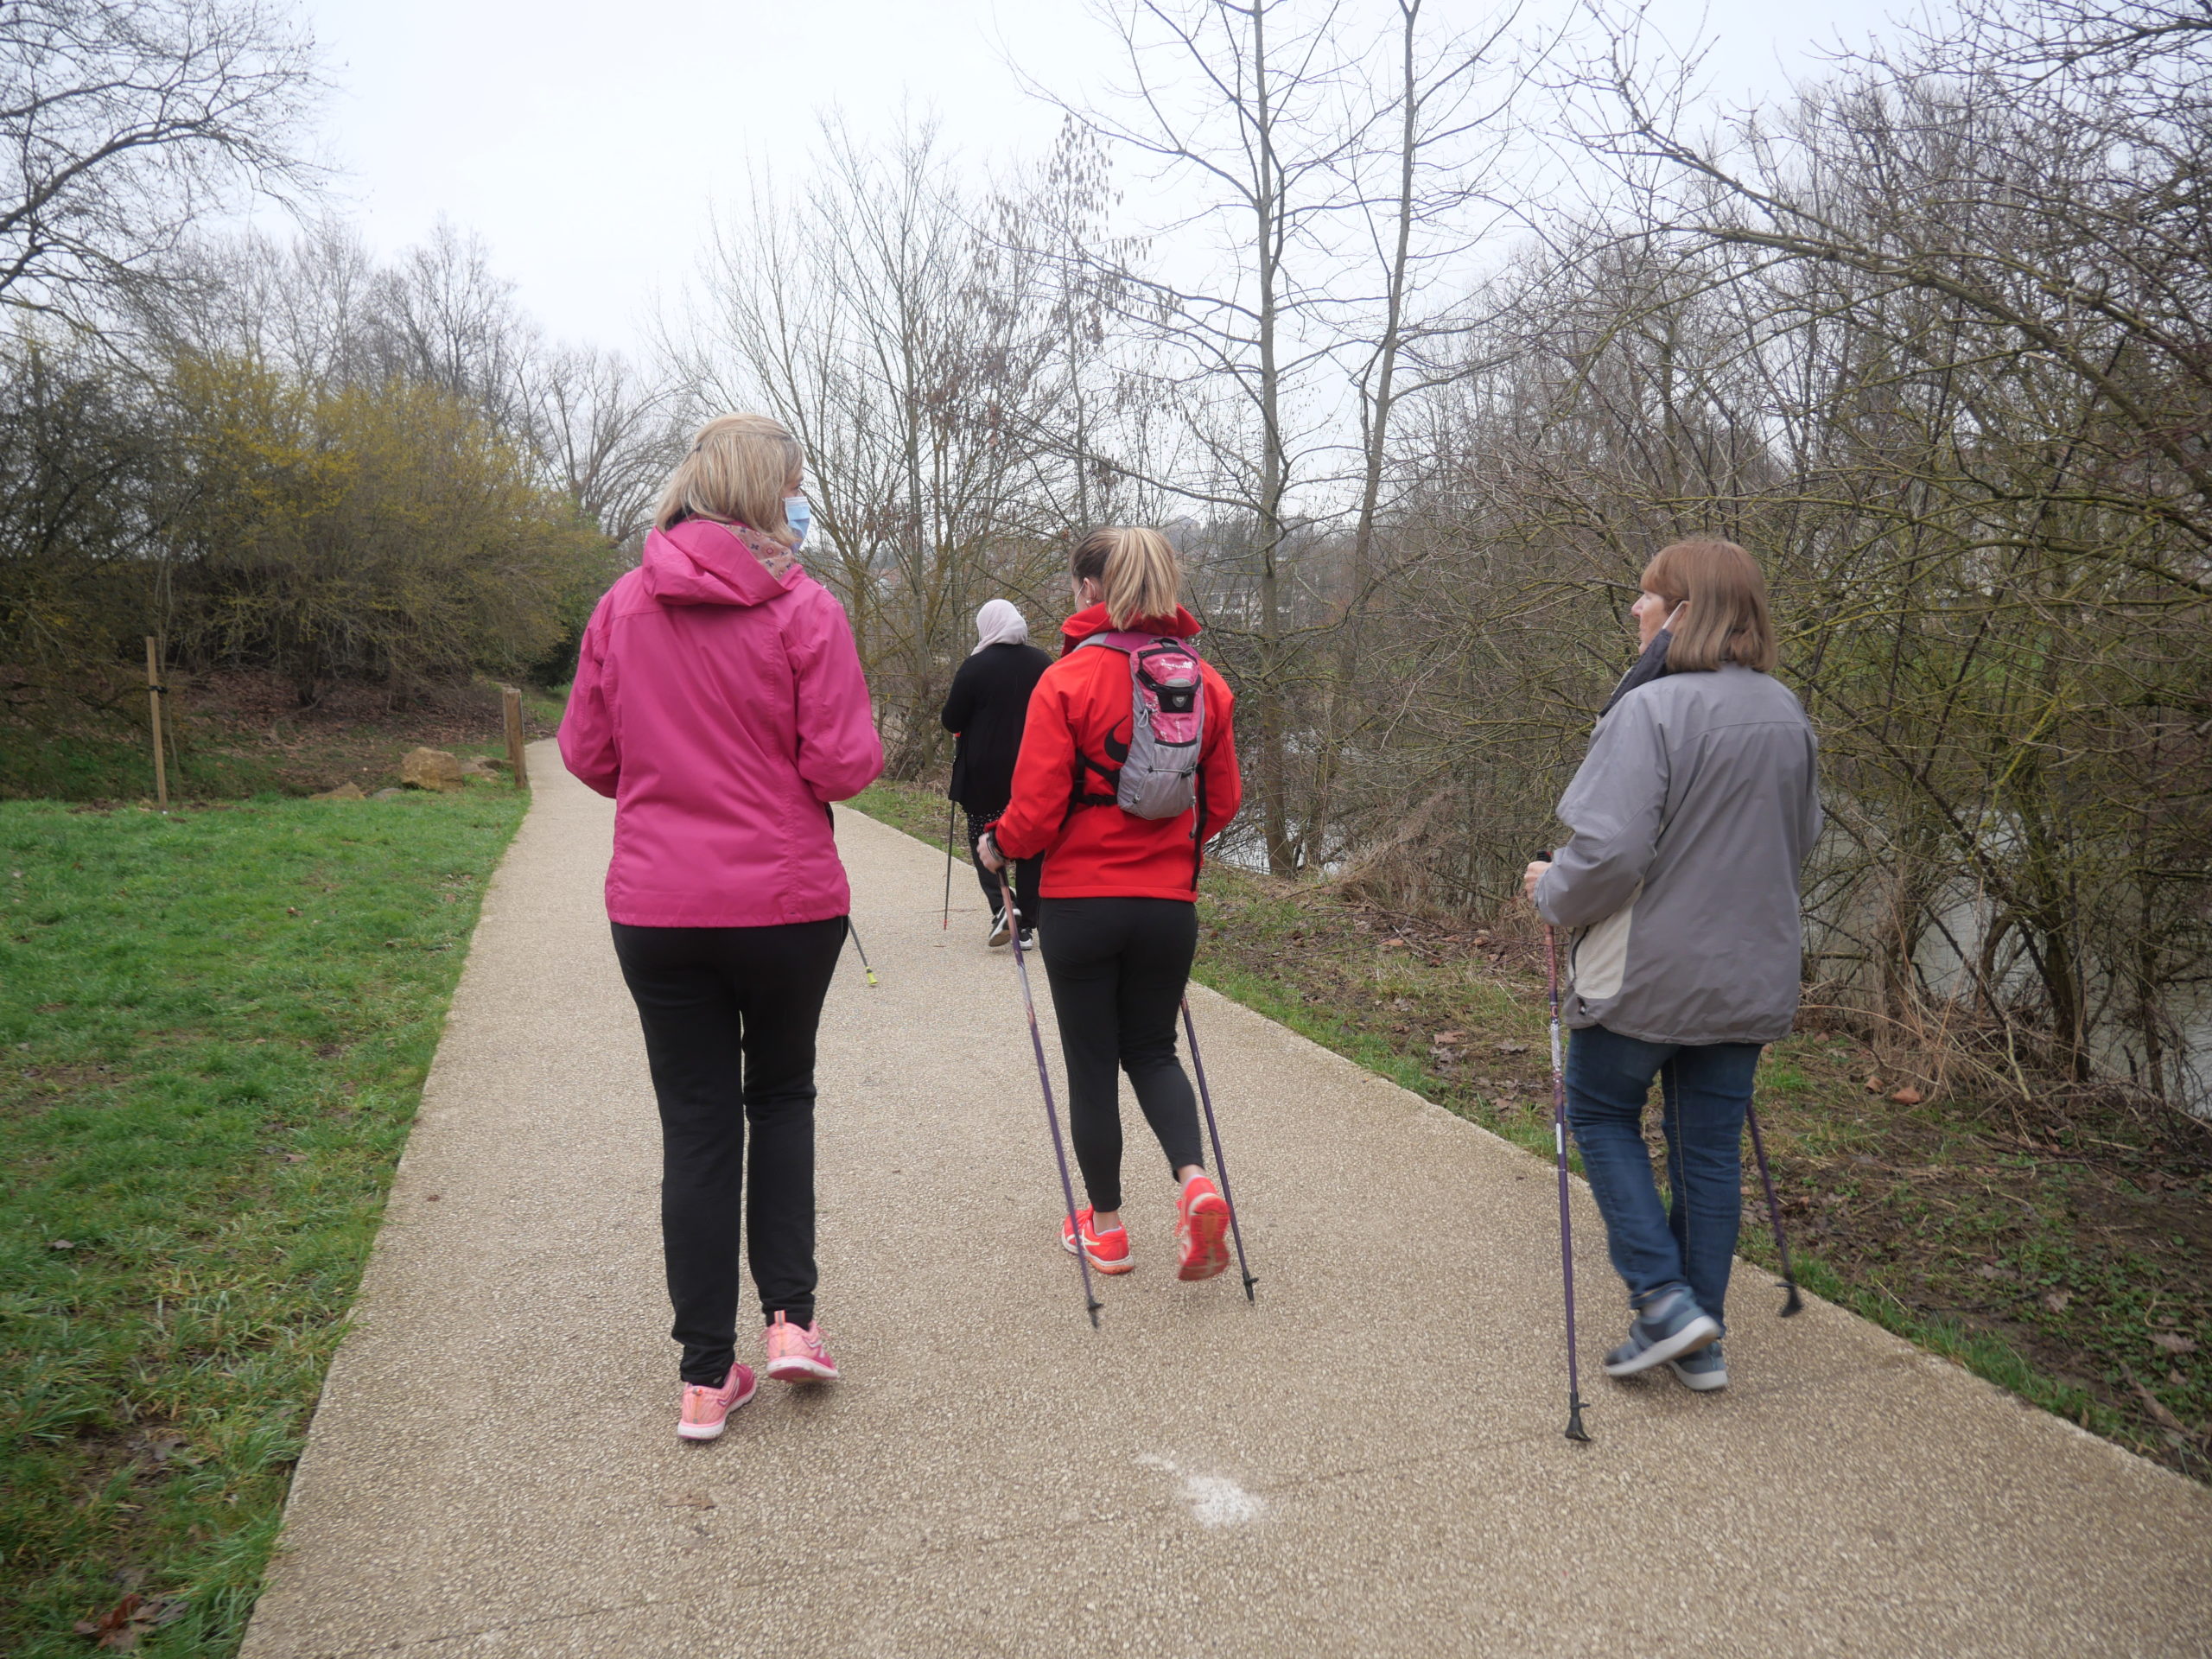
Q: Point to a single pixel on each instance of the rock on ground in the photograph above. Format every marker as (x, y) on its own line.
(430, 769)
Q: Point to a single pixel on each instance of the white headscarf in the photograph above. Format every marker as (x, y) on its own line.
(999, 623)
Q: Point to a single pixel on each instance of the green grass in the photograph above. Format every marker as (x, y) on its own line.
(99, 766)
(213, 1030)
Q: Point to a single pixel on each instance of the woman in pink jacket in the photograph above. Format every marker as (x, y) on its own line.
(719, 700)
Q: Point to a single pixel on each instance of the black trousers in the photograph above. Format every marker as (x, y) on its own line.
(1026, 871)
(729, 1016)
(1117, 968)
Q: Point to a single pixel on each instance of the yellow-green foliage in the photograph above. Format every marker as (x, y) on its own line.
(386, 531)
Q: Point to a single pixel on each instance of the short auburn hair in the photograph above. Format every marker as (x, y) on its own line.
(1728, 620)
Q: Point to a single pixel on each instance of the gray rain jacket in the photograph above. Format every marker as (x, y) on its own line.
(1691, 816)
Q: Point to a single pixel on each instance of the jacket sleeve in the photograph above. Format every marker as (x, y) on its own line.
(1222, 782)
(839, 752)
(1811, 819)
(1614, 809)
(1044, 774)
(586, 738)
(960, 702)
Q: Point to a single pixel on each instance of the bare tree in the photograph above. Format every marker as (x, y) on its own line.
(606, 435)
(122, 122)
(443, 319)
(926, 364)
(1434, 146)
(1236, 112)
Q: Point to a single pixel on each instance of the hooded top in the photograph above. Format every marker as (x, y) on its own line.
(1077, 736)
(719, 699)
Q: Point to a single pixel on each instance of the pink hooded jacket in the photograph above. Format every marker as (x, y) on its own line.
(719, 700)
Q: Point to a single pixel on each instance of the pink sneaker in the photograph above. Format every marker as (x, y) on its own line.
(707, 1410)
(796, 1353)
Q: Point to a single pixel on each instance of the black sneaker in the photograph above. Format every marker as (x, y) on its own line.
(1000, 932)
(1029, 939)
(1672, 1326)
(1704, 1370)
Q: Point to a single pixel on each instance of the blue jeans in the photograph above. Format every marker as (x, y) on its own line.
(1705, 1090)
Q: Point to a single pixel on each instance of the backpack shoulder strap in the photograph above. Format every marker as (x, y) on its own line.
(1120, 639)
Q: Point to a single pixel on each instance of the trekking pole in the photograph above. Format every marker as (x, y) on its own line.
(854, 934)
(1220, 1163)
(1575, 1429)
(951, 807)
(1792, 1303)
(1091, 1301)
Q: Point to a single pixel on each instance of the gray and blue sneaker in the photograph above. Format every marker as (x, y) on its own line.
(1703, 1371)
(1672, 1325)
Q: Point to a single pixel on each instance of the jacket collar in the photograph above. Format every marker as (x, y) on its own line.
(1650, 664)
(1093, 619)
(703, 561)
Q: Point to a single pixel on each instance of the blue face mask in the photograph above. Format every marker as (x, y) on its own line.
(799, 515)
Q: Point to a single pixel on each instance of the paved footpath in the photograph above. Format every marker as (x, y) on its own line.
(1367, 1462)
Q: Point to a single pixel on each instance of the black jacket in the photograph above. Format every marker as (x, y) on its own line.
(988, 707)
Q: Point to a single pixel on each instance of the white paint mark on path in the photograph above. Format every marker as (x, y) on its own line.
(1215, 1500)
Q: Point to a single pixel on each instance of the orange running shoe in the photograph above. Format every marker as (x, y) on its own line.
(1108, 1252)
(1201, 1230)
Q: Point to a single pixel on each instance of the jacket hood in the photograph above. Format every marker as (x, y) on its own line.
(701, 561)
(1094, 620)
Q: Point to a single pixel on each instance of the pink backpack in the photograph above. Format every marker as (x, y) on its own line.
(1167, 718)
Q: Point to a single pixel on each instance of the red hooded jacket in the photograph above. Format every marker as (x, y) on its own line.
(1098, 851)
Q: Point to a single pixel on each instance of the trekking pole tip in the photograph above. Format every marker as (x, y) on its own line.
(1575, 1432)
(1793, 1303)
(1250, 1280)
(1093, 1308)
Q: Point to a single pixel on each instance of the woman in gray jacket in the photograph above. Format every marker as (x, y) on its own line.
(1691, 818)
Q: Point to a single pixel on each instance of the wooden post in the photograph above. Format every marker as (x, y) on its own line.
(154, 689)
(510, 699)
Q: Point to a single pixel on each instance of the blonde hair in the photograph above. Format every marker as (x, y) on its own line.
(1728, 620)
(738, 470)
(1136, 569)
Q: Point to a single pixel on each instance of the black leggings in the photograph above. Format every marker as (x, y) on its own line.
(729, 1016)
(1024, 875)
(1118, 967)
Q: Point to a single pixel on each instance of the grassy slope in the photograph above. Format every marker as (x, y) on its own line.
(2064, 1253)
(213, 1030)
(235, 735)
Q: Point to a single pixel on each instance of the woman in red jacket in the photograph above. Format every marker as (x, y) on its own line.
(1119, 915)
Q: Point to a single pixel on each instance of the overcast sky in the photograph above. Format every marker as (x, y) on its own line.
(583, 139)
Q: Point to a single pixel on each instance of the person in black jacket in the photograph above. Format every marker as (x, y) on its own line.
(986, 710)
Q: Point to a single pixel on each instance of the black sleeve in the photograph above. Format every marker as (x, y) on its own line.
(960, 702)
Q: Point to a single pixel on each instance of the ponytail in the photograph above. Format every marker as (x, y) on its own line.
(1135, 569)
